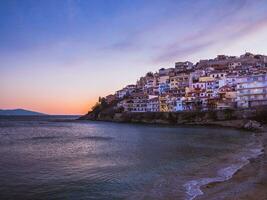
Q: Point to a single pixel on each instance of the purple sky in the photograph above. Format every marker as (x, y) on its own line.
(59, 56)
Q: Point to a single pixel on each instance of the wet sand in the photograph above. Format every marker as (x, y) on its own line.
(249, 183)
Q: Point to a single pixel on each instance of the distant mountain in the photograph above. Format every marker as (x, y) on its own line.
(20, 112)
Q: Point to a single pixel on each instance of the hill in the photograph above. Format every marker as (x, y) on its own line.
(20, 112)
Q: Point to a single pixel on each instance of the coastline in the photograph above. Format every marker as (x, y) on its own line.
(249, 119)
(247, 183)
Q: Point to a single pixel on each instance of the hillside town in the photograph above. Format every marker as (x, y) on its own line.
(225, 82)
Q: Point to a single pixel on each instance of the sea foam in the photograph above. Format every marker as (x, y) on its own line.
(193, 188)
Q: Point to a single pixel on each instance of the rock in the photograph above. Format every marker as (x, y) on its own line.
(161, 121)
(252, 125)
(118, 117)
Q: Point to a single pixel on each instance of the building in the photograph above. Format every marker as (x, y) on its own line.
(180, 80)
(151, 86)
(232, 80)
(163, 103)
(140, 101)
(217, 74)
(183, 66)
(227, 98)
(199, 86)
(206, 78)
(130, 88)
(110, 98)
(180, 104)
(252, 91)
(164, 84)
(126, 104)
(121, 94)
(153, 104)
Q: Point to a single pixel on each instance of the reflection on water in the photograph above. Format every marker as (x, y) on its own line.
(49, 158)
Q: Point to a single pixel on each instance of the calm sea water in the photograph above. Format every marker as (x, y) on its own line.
(56, 158)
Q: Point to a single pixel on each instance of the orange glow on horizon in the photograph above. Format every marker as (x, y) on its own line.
(56, 108)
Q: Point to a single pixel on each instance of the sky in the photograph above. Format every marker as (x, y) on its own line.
(58, 57)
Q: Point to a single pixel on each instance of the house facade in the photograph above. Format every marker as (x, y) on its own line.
(252, 91)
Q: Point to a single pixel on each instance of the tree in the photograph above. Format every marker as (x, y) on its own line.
(96, 107)
(103, 103)
(149, 74)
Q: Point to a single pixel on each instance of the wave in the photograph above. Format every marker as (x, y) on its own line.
(42, 138)
(193, 188)
(97, 138)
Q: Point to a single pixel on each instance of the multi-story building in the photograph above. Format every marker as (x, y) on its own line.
(153, 104)
(126, 104)
(164, 84)
(165, 71)
(206, 78)
(218, 74)
(180, 104)
(183, 66)
(227, 98)
(232, 80)
(180, 80)
(163, 103)
(110, 98)
(252, 91)
(164, 79)
(151, 86)
(139, 102)
(128, 90)
(121, 93)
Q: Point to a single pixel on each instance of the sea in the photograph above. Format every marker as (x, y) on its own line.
(59, 157)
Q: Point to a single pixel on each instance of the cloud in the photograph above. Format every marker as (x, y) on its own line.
(179, 51)
(208, 23)
(230, 26)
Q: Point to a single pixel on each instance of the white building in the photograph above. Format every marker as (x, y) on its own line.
(121, 93)
(233, 80)
(153, 104)
(126, 104)
(139, 102)
(252, 91)
(180, 104)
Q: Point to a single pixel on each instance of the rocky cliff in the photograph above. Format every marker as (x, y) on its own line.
(242, 118)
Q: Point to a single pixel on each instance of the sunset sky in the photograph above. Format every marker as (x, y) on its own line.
(58, 56)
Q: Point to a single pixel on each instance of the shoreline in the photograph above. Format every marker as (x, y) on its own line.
(239, 124)
(248, 119)
(199, 188)
(247, 183)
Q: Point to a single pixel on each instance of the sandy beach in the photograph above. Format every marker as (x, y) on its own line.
(249, 183)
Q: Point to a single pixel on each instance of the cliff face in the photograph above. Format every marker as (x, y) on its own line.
(233, 118)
